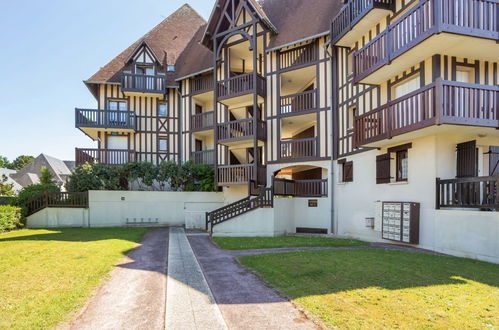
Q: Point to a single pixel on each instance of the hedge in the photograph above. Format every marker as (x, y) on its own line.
(10, 218)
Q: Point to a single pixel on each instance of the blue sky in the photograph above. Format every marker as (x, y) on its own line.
(48, 49)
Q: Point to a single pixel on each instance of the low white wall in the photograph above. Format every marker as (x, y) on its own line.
(133, 208)
(58, 218)
(259, 222)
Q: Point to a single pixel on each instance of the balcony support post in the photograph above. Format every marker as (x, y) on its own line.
(437, 15)
(439, 108)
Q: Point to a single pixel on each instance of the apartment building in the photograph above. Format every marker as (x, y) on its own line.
(335, 114)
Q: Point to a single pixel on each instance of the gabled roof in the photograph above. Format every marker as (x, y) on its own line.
(170, 36)
(217, 14)
(195, 58)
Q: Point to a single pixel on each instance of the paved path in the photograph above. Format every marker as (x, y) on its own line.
(134, 296)
(189, 301)
(244, 300)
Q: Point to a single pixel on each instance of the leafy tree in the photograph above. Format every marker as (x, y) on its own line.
(36, 190)
(4, 162)
(6, 189)
(143, 173)
(46, 176)
(20, 162)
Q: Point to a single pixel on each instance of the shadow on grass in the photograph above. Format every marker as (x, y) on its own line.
(72, 235)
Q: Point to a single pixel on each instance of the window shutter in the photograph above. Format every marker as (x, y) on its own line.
(494, 161)
(467, 159)
(348, 172)
(383, 169)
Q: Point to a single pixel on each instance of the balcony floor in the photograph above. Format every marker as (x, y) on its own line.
(363, 26)
(444, 44)
(240, 101)
(434, 130)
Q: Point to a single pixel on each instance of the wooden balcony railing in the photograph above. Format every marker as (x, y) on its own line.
(143, 83)
(478, 18)
(478, 192)
(104, 156)
(241, 130)
(297, 103)
(202, 84)
(352, 13)
(298, 56)
(442, 102)
(235, 174)
(203, 120)
(203, 157)
(241, 85)
(104, 119)
(300, 188)
(57, 199)
(299, 149)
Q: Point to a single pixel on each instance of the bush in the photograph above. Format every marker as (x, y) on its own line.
(30, 192)
(94, 177)
(10, 218)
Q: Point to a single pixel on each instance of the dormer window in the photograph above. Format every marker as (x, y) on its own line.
(144, 70)
(170, 68)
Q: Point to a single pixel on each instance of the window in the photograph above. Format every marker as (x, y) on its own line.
(467, 159)
(351, 118)
(145, 70)
(170, 68)
(465, 74)
(347, 171)
(407, 87)
(163, 144)
(350, 64)
(402, 165)
(118, 105)
(383, 169)
(162, 109)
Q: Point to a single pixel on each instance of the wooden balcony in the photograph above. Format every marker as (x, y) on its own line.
(477, 193)
(91, 121)
(203, 121)
(298, 57)
(241, 131)
(455, 28)
(298, 103)
(300, 188)
(104, 156)
(231, 175)
(440, 103)
(139, 83)
(202, 84)
(299, 149)
(206, 157)
(356, 18)
(240, 89)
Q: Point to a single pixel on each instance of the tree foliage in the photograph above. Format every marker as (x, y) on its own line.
(6, 189)
(46, 177)
(169, 176)
(31, 192)
(4, 162)
(20, 162)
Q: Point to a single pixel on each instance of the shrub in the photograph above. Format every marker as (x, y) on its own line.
(46, 176)
(10, 218)
(94, 177)
(30, 192)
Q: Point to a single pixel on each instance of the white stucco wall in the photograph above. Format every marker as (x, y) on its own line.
(59, 218)
(259, 222)
(458, 232)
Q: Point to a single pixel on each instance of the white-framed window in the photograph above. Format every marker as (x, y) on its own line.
(170, 68)
(352, 111)
(163, 144)
(163, 109)
(406, 87)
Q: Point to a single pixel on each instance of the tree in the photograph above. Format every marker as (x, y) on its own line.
(20, 162)
(6, 189)
(46, 176)
(4, 162)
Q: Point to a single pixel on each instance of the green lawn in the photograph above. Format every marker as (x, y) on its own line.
(46, 274)
(375, 289)
(244, 243)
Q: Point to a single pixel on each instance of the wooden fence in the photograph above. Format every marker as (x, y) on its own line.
(57, 199)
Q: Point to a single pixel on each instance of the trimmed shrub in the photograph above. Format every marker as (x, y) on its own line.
(10, 218)
(30, 192)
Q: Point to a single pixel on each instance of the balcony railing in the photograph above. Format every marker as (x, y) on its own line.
(104, 119)
(298, 56)
(471, 17)
(297, 103)
(104, 156)
(352, 13)
(299, 149)
(478, 192)
(241, 130)
(203, 120)
(241, 85)
(300, 188)
(143, 83)
(203, 157)
(202, 84)
(442, 102)
(235, 174)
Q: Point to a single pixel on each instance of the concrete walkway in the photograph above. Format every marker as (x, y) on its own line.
(189, 301)
(134, 296)
(244, 300)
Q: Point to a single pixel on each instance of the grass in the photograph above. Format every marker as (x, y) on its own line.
(375, 289)
(244, 243)
(47, 274)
